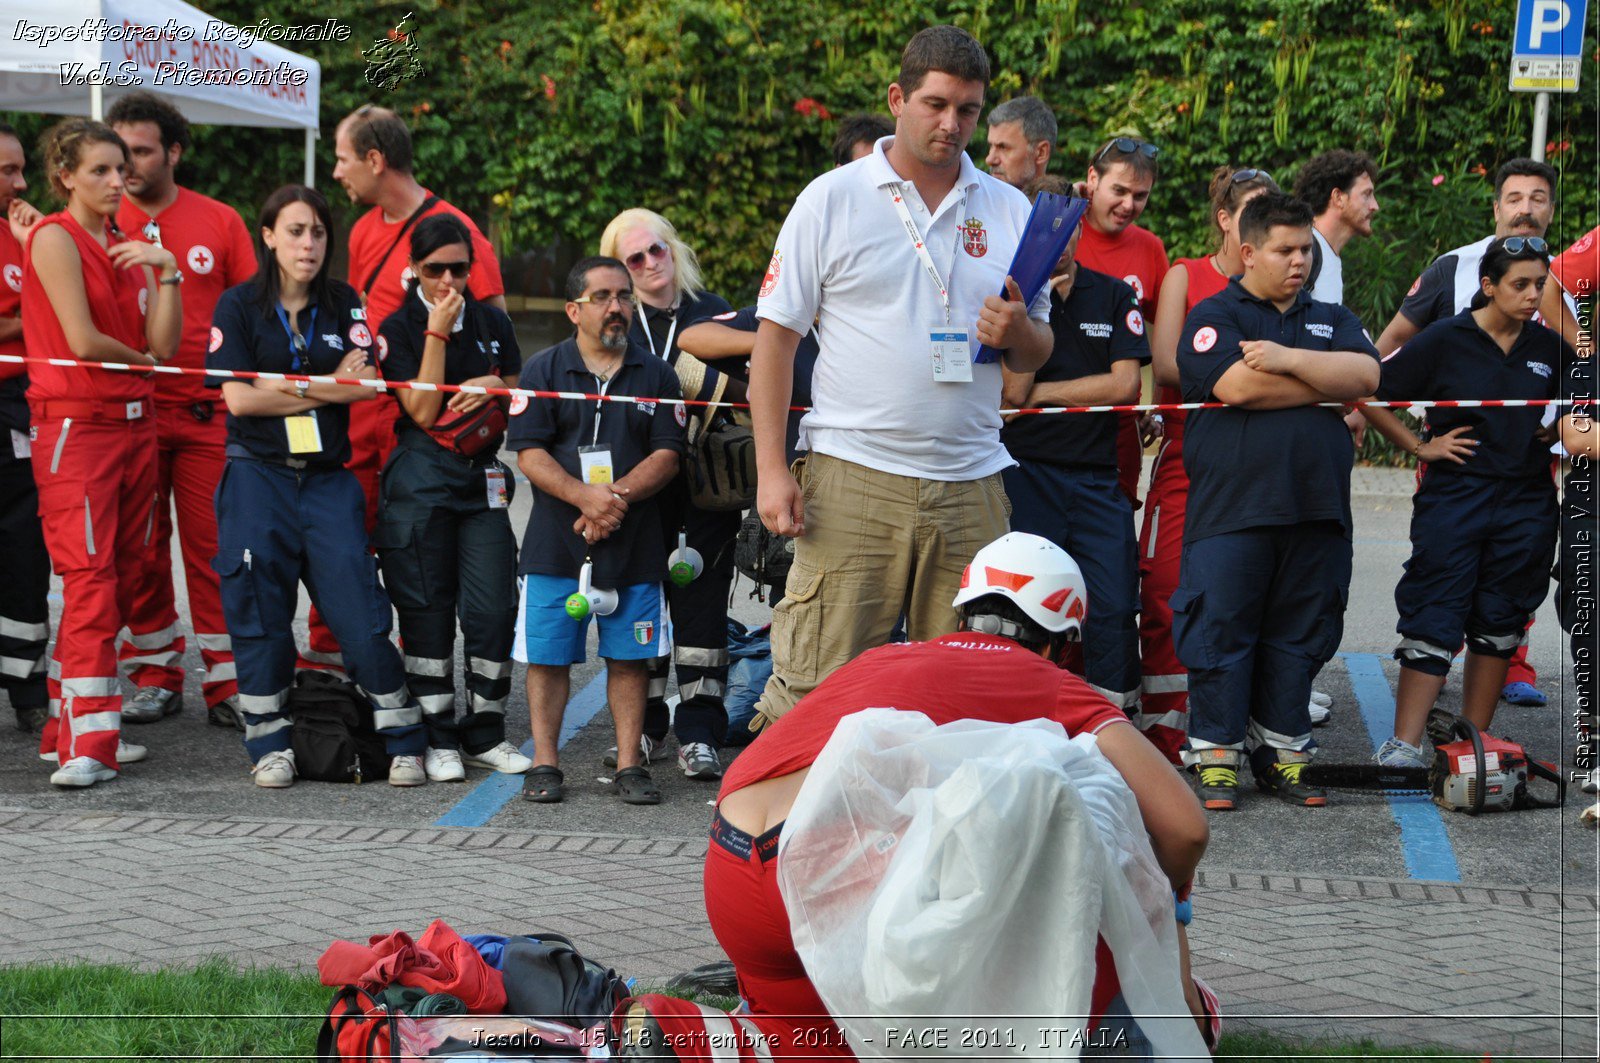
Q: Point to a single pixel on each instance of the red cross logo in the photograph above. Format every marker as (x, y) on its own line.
(201, 260)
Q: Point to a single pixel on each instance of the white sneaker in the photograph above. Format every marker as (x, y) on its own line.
(699, 761)
(440, 765)
(275, 770)
(127, 753)
(1320, 714)
(1319, 698)
(1397, 754)
(80, 772)
(650, 751)
(407, 771)
(503, 758)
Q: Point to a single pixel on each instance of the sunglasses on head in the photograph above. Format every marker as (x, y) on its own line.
(434, 270)
(1241, 176)
(1516, 245)
(1127, 146)
(636, 260)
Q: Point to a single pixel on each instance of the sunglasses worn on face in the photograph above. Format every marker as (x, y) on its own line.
(1516, 245)
(656, 250)
(1127, 146)
(434, 270)
(603, 299)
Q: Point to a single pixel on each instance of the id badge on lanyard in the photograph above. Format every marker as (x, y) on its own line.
(949, 348)
(305, 435)
(594, 460)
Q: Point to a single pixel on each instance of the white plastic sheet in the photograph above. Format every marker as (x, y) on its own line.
(945, 886)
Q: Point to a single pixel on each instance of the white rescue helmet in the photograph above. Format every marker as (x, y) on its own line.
(1036, 574)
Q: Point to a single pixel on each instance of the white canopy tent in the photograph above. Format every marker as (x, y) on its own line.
(72, 56)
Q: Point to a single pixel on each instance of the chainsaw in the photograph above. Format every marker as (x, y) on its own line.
(1472, 772)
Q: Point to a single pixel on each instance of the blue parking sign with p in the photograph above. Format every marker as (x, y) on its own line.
(1547, 48)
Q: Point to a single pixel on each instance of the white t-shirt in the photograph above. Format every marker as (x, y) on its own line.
(1330, 280)
(845, 260)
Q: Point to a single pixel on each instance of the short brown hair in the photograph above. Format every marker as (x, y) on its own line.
(947, 49)
(146, 106)
(379, 129)
(61, 147)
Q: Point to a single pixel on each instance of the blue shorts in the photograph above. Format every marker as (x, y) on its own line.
(638, 631)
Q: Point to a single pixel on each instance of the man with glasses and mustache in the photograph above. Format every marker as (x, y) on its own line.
(214, 252)
(372, 147)
(1524, 202)
(1121, 175)
(595, 468)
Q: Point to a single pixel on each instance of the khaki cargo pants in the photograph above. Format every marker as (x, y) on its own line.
(877, 545)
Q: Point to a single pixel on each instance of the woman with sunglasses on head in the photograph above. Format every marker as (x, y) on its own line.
(91, 294)
(1190, 281)
(666, 282)
(1483, 520)
(444, 532)
(288, 511)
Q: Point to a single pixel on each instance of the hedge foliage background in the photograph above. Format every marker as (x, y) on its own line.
(545, 119)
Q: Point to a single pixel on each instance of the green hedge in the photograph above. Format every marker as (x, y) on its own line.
(546, 119)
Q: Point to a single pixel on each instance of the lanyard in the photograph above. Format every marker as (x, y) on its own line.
(603, 385)
(666, 347)
(283, 319)
(897, 194)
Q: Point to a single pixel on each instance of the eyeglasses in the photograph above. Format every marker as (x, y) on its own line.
(297, 343)
(1241, 176)
(434, 270)
(1127, 146)
(152, 232)
(603, 299)
(635, 261)
(1517, 244)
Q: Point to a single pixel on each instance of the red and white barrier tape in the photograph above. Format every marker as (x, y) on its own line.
(584, 396)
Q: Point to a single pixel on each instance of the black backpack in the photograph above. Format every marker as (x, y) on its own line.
(334, 738)
(762, 556)
(546, 977)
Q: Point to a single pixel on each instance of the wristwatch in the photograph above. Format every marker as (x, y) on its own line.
(176, 278)
(301, 387)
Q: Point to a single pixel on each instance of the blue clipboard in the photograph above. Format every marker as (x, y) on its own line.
(1050, 225)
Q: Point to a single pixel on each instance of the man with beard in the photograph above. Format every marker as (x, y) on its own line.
(1524, 202)
(595, 468)
(1338, 187)
(213, 249)
(1022, 134)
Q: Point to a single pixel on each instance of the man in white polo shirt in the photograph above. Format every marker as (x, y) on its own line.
(899, 258)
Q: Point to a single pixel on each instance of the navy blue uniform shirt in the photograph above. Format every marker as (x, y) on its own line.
(485, 346)
(805, 366)
(246, 336)
(1253, 468)
(1098, 324)
(651, 329)
(1455, 359)
(635, 552)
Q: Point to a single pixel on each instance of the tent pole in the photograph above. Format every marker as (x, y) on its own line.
(97, 101)
(311, 158)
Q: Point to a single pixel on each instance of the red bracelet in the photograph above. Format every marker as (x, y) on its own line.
(441, 337)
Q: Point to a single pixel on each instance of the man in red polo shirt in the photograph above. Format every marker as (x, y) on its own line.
(214, 251)
(372, 147)
(1121, 175)
(24, 564)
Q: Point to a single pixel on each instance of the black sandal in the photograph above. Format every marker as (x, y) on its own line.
(636, 787)
(542, 784)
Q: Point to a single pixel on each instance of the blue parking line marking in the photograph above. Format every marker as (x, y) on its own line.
(491, 795)
(1423, 838)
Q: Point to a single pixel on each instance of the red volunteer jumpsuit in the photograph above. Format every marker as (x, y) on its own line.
(960, 676)
(1140, 258)
(94, 446)
(1164, 685)
(214, 251)
(372, 423)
